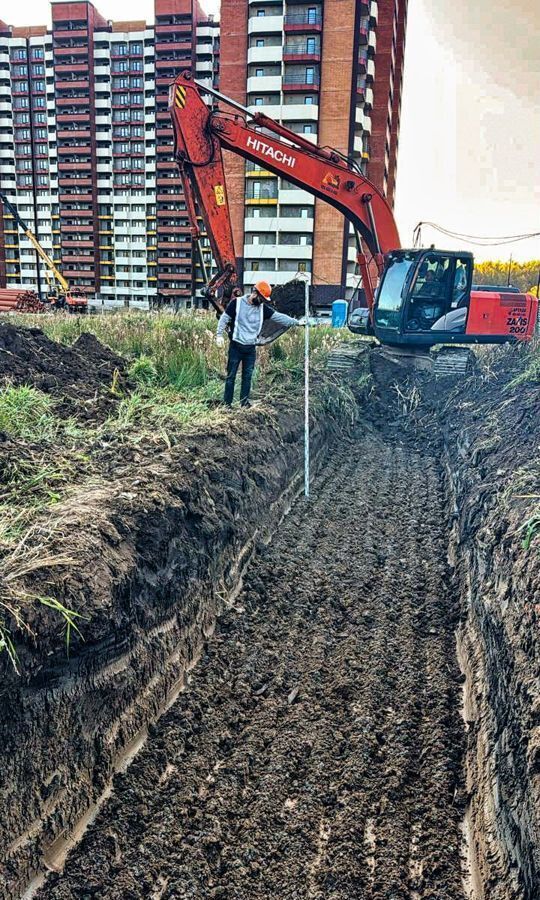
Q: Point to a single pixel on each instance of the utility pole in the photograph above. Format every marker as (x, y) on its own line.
(509, 270)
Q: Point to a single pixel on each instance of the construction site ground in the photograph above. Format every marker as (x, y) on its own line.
(272, 697)
(316, 752)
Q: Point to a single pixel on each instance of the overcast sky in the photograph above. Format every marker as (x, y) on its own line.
(469, 155)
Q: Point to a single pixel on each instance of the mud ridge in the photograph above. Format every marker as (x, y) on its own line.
(158, 552)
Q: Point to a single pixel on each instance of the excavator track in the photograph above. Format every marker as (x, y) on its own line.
(453, 362)
(347, 356)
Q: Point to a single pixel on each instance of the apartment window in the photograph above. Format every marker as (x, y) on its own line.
(311, 45)
(22, 134)
(293, 239)
(20, 103)
(312, 15)
(120, 49)
(260, 13)
(308, 128)
(21, 119)
(21, 70)
(259, 42)
(120, 83)
(261, 238)
(136, 83)
(120, 65)
(42, 164)
(40, 118)
(137, 163)
(290, 265)
(309, 100)
(137, 65)
(137, 147)
(137, 115)
(258, 101)
(310, 75)
(18, 53)
(137, 98)
(259, 73)
(136, 48)
(38, 53)
(39, 102)
(41, 134)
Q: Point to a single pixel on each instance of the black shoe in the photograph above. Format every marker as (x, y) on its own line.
(245, 404)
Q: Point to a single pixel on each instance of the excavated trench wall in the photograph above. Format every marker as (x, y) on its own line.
(160, 552)
(498, 649)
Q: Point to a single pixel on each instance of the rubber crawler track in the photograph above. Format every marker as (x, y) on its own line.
(317, 751)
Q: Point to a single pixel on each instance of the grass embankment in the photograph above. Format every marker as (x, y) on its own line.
(175, 384)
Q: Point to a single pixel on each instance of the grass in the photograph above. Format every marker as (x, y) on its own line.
(176, 382)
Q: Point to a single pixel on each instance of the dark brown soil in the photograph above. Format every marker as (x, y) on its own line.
(317, 751)
(82, 372)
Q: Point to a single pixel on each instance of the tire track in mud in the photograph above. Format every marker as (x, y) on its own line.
(317, 752)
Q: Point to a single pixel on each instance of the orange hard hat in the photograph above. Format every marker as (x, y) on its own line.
(262, 287)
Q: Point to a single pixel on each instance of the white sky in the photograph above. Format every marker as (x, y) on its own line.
(469, 156)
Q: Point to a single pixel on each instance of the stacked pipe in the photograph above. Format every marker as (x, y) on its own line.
(19, 300)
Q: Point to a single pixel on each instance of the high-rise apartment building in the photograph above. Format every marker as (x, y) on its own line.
(330, 70)
(86, 149)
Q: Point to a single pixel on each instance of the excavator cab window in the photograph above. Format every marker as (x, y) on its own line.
(391, 291)
(429, 298)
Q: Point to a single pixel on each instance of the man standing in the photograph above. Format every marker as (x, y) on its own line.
(244, 318)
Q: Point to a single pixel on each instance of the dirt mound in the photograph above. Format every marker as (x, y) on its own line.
(28, 356)
(290, 298)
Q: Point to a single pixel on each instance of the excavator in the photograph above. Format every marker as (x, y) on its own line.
(416, 298)
(59, 296)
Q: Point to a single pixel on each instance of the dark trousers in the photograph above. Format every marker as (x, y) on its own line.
(245, 354)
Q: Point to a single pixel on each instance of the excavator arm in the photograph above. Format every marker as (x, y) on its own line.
(202, 134)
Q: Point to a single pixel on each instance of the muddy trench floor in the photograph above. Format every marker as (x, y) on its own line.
(317, 750)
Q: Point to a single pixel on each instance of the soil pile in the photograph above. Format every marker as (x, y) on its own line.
(82, 371)
(290, 298)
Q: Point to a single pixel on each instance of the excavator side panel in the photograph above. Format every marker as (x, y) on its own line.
(499, 314)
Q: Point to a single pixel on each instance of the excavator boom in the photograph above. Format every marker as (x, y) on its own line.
(200, 136)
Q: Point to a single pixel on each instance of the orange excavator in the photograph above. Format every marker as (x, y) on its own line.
(416, 298)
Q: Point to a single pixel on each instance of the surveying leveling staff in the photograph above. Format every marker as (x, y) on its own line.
(244, 318)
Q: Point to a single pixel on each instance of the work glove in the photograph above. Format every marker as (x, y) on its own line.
(220, 340)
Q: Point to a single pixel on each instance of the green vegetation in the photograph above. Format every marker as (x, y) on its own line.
(175, 383)
(522, 275)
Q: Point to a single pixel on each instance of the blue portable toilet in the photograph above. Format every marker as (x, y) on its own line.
(339, 313)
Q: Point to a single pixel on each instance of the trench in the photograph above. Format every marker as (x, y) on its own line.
(324, 739)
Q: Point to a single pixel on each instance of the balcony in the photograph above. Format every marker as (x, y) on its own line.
(296, 196)
(172, 44)
(265, 24)
(305, 53)
(373, 12)
(303, 112)
(72, 135)
(62, 34)
(265, 54)
(300, 81)
(264, 84)
(72, 84)
(301, 23)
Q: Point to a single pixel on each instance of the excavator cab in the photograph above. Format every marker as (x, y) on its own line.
(425, 297)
